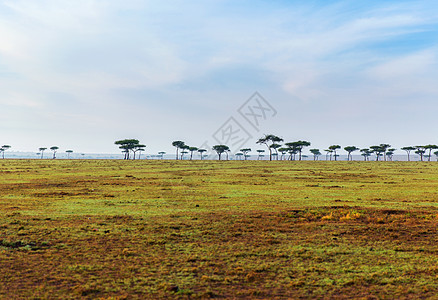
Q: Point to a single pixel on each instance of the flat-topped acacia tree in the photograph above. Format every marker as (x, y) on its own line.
(333, 148)
(430, 148)
(192, 149)
(178, 145)
(315, 153)
(349, 150)
(201, 153)
(408, 150)
(3, 149)
(42, 149)
(260, 152)
(366, 153)
(245, 152)
(54, 149)
(68, 153)
(128, 145)
(220, 149)
(298, 146)
(269, 140)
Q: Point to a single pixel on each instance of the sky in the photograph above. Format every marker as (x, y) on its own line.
(82, 74)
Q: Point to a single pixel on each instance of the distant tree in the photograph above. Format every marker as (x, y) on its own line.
(42, 149)
(334, 148)
(3, 149)
(268, 140)
(161, 154)
(275, 147)
(239, 155)
(384, 148)
(128, 145)
(390, 153)
(245, 152)
(378, 150)
(184, 152)
(137, 148)
(260, 152)
(298, 147)
(283, 152)
(436, 154)
(430, 148)
(349, 150)
(192, 149)
(220, 149)
(292, 149)
(421, 150)
(68, 153)
(178, 145)
(408, 151)
(140, 149)
(315, 153)
(54, 149)
(201, 151)
(366, 153)
(184, 149)
(328, 152)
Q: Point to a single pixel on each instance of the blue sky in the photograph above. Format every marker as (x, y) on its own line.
(82, 74)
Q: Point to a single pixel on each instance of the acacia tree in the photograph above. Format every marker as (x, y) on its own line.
(245, 152)
(68, 153)
(408, 151)
(192, 149)
(436, 154)
(42, 149)
(3, 149)
(334, 148)
(54, 149)
(366, 153)
(384, 148)
(328, 152)
(178, 145)
(349, 150)
(128, 145)
(201, 151)
(420, 151)
(430, 148)
(283, 152)
(220, 149)
(137, 148)
(161, 154)
(292, 150)
(315, 153)
(239, 155)
(268, 140)
(184, 149)
(390, 153)
(260, 152)
(298, 147)
(275, 147)
(378, 150)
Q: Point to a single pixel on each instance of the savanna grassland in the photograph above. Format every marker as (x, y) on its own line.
(179, 229)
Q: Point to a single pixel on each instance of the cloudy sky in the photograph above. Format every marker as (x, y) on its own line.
(82, 74)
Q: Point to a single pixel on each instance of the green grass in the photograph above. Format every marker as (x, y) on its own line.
(166, 229)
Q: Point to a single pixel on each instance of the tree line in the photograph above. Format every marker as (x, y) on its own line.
(279, 150)
(41, 150)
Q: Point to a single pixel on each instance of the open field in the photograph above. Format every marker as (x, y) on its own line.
(166, 229)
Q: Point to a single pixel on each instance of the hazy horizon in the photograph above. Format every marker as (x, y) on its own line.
(81, 75)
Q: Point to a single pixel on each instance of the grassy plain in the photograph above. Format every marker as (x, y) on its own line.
(165, 229)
